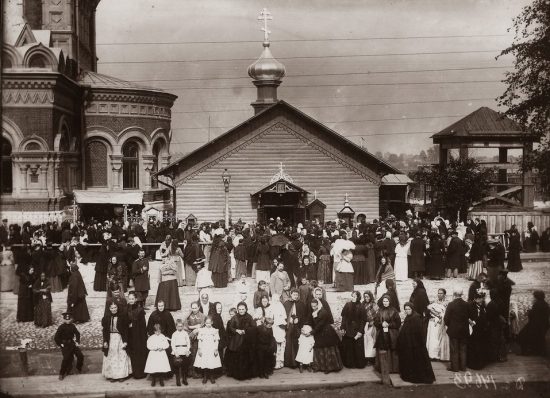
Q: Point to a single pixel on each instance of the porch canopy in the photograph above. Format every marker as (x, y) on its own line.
(108, 198)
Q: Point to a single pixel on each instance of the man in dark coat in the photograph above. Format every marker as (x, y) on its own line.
(140, 273)
(457, 321)
(418, 262)
(455, 252)
(76, 296)
(503, 290)
(296, 315)
(67, 338)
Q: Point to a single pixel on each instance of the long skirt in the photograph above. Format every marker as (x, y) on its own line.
(360, 276)
(391, 358)
(280, 355)
(437, 341)
(219, 279)
(352, 352)
(343, 281)
(100, 282)
(401, 269)
(180, 273)
(475, 269)
(80, 311)
(117, 364)
(240, 363)
(15, 288)
(55, 284)
(240, 268)
(7, 275)
(169, 293)
(190, 275)
(327, 359)
(369, 338)
(43, 313)
(291, 347)
(324, 273)
(157, 362)
(25, 307)
(204, 279)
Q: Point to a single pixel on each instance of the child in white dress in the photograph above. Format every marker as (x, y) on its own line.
(157, 360)
(305, 348)
(208, 357)
(204, 276)
(181, 346)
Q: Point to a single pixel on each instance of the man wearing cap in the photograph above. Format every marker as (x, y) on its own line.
(140, 273)
(67, 338)
(457, 321)
(455, 255)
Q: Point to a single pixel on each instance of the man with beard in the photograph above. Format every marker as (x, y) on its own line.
(140, 273)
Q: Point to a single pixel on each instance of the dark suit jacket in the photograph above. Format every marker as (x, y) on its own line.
(141, 277)
(456, 319)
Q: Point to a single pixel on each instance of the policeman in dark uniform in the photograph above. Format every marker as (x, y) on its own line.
(67, 338)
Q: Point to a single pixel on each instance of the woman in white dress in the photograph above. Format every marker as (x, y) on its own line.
(208, 356)
(279, 330)
(401, 261)
(437, 341)
(157, 360)
(116, 362)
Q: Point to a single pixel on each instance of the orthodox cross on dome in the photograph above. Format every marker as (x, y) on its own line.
(315, 195)
(265, 16)
(281, 175)
(346, 200)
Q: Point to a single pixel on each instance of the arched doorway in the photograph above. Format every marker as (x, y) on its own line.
(6, 181)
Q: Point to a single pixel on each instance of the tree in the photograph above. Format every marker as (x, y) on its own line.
(527, 96)
(457, 185)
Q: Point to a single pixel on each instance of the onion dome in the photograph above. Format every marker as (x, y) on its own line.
(266, 68)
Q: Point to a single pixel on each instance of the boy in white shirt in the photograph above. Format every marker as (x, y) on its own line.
(181, 345)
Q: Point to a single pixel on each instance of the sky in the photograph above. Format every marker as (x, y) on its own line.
(387, 74)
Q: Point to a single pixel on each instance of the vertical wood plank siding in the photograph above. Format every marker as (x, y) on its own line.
(500, 221)
(251, 169)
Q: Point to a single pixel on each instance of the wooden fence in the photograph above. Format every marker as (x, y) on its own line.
(500, 221)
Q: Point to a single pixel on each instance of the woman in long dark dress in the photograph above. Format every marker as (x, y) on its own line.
(167, 291)
(217, 323)
(496, 344)
(240, 350)
(476, 356)
(353, 325)
(137, 336)
(359, 261)
(514, 250)
(43, 302)
(102, 262)
(434, 267)
(414, 362)
(326, 355)
(296, 315)
(532, 336)
(420, 301)
(220, 262)
(76, 296)
(25, 299)
(387, 323)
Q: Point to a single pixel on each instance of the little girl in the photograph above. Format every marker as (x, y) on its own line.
(181, 346)
(204, 276)
(305, 348)
(157, 360)
(208, 357)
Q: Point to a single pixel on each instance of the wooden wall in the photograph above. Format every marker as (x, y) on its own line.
(500, 221)
(251, 169)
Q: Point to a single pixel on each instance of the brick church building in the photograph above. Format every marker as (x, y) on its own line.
(69, 134)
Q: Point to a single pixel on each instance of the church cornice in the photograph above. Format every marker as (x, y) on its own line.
(133, 96)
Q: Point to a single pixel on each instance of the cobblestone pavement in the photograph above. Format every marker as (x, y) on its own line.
(535, 275)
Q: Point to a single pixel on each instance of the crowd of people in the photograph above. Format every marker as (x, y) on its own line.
(287, 322)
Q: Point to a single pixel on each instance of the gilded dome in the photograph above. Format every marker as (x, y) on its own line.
(266, 67)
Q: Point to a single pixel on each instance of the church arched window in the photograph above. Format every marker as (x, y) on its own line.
(156, 153)
(130, 165)
(38, 61)
(6, 178)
